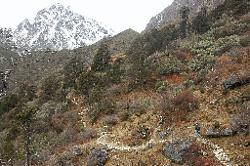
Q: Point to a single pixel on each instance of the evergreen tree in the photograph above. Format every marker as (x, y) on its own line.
(184, 25)
(136, 57)
(201, 23)
(101, 59)
(72, 70)
(142, 47)
(26, 120)
(116, 72)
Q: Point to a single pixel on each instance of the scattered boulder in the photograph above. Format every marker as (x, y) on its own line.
(235, 81)
(212, 133)
(98, 157)
(241, 122)
(64, 160)
(227, 132)
(216, 133)
(240, 127)
(177, 149)
(77, 151)
(232, 82)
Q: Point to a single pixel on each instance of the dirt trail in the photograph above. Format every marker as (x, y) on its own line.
(104, 140)
(217, 151)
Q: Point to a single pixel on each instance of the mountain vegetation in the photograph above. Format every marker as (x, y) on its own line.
(176, 94)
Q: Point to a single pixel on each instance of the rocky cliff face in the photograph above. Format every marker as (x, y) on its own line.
(171, 13)
(57, 28)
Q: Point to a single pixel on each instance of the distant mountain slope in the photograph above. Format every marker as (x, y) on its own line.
(58, 28)
(122, 41)
(171, 13)
(117, 44)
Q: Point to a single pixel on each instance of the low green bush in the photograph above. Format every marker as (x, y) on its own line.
(160, 86)
(206, 47)
(202, 62)
(171, 65)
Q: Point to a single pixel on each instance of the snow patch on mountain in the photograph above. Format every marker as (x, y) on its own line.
(57, 28)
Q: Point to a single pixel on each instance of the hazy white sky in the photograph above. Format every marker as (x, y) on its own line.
(116, 14)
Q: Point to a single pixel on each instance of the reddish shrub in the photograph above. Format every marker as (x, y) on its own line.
(174, 79)
(194, 157)
(205, 161)
(185, 101)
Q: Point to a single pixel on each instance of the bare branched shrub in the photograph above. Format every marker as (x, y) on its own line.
(111, 119)
(89, 134)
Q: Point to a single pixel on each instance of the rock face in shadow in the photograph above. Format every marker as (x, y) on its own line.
(177, 149)
(241, 122)
(235, 81)
(216, 133)
(98, 157)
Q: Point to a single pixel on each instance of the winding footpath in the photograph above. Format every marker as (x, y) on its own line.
(219, 153)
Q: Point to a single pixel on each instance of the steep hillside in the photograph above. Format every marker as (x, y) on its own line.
(156, 98)
(57, 28)
(38, 65)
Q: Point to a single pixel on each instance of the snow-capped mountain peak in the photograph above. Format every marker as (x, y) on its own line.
(58, 27)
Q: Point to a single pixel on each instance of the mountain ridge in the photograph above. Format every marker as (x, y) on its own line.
(171, 13)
